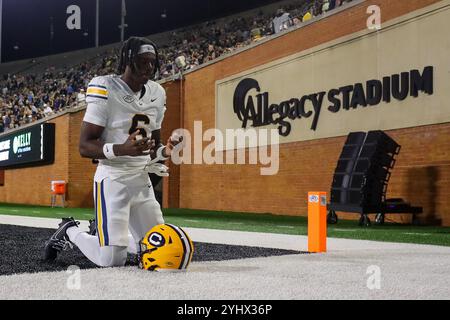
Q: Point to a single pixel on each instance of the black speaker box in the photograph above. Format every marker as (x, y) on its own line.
(363, 169)
(383, 141)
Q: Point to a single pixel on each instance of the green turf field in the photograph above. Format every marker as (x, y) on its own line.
(260, 223)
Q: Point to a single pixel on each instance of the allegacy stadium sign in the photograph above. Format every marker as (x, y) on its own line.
(258, 110)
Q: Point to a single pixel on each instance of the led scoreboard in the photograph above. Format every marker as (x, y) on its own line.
(32, 146)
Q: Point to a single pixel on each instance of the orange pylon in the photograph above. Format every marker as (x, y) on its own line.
(317, 221)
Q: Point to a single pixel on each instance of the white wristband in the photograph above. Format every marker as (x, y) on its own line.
(108, 151)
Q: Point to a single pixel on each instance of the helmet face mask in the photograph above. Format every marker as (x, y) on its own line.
(165, 246)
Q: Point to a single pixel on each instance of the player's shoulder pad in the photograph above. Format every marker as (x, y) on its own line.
(98, 88)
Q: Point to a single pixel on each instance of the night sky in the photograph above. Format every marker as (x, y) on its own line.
(27, 24)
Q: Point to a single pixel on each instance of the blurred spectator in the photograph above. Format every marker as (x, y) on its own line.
(332, 4)
(308, 16)
(325, 6)
(6, 120)
(70, 89)
(81, 97)
(255, 34)
(317, 8)
(34, 110)
(282, 21)
(47, 110)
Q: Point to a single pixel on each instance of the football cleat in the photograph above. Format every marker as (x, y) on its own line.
(59, 241)
(165, 246)
(92, 227)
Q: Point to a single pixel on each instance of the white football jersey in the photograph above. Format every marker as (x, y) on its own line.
(113, 105)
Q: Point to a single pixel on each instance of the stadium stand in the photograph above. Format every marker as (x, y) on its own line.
(33, 90)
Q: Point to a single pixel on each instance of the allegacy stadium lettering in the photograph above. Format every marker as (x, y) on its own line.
(260, 112)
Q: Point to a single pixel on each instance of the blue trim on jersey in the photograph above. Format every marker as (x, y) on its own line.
(96, 96)
(98, 86)
(104, 215)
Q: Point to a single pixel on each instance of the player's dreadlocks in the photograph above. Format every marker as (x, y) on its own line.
(129, 52)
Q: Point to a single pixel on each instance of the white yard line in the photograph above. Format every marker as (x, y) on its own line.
(344, 230)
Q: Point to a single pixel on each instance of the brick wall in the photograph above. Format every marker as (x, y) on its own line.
(172, 121)
(81, 170)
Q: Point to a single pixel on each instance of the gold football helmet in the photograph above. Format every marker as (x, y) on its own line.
(165, 246)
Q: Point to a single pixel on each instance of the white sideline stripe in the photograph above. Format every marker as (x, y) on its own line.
(243, 238)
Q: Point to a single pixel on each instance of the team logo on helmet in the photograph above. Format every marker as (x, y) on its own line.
(165, 246)
(156, 239)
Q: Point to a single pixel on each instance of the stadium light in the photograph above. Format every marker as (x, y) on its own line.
(123, 25)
